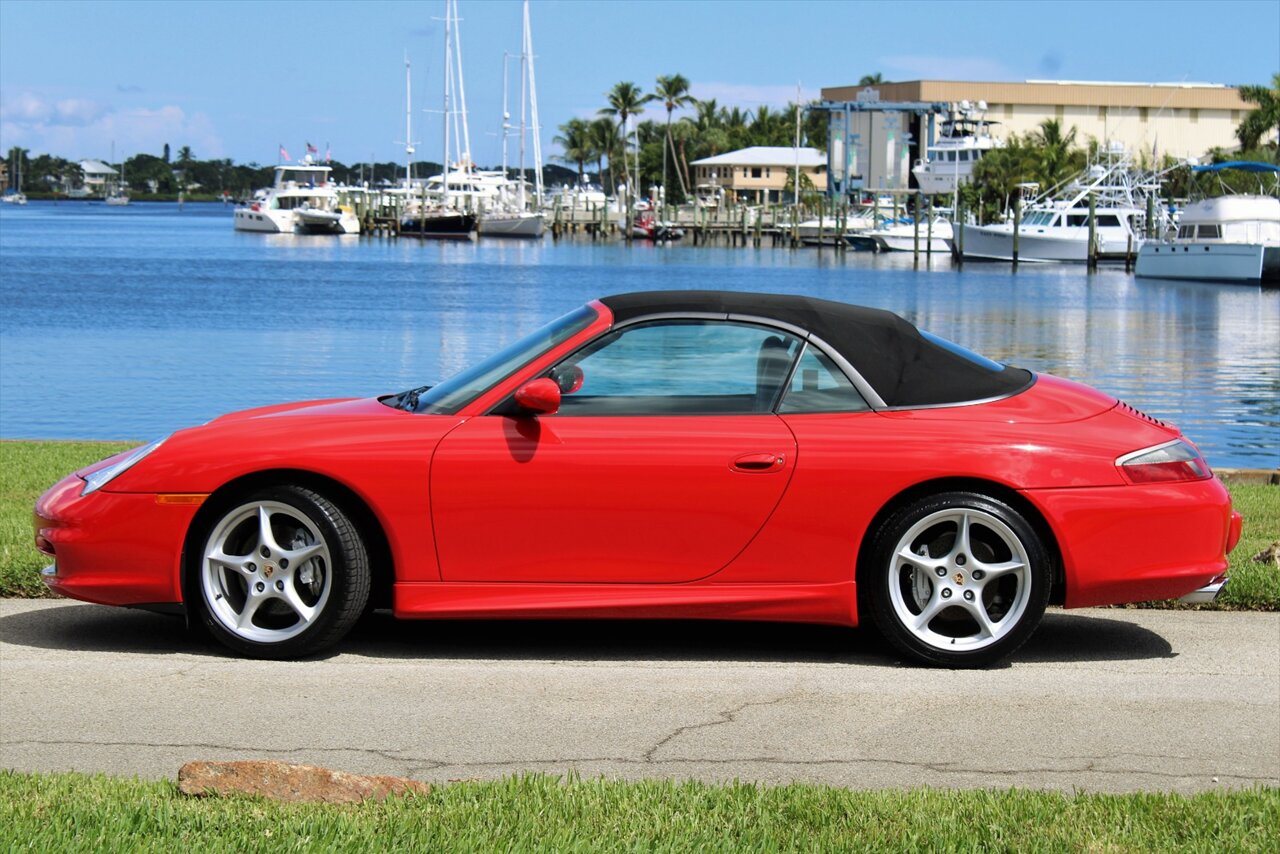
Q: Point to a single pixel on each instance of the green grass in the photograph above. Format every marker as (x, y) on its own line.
(31, 467)
(73, 812)
(1254, 585)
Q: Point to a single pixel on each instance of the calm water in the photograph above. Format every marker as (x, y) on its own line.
(131, 322)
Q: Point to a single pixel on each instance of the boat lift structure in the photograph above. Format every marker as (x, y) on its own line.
(844, 179)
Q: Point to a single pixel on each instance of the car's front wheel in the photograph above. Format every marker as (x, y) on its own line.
(957, 579)
(281, 573)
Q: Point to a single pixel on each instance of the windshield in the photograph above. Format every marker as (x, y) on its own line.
(460, 389)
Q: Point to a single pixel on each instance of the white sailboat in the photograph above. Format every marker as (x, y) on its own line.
(516, 215)
(431, 214)
(15, 197)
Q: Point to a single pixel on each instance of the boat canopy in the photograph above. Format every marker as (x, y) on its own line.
(1242, 165)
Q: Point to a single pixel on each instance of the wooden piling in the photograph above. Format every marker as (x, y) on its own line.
(1093, 233)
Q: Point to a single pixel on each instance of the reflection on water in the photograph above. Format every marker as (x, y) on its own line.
(129, 322)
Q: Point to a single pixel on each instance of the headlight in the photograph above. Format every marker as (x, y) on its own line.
(103, 476)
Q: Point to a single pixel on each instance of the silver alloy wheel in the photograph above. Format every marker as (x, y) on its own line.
(266, 573)
(959, 579)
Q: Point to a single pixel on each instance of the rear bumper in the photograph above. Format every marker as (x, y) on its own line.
(1140, 543)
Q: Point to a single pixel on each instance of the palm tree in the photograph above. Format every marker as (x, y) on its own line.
(1057, 159)
(673, 91)
(871, 79)
(184, 163)
(681, 132)
(575, 141)
(625, 99)
(1265, 118)
(604, 144)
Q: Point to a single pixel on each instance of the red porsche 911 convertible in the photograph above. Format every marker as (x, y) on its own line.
(679, 454)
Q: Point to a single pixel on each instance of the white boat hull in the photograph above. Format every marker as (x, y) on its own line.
(512, 225)
(1210, 262)
(941, 178)
(903, 238)
(268, 221)
(1071, 245)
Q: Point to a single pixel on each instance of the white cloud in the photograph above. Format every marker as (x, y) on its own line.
(76, 127)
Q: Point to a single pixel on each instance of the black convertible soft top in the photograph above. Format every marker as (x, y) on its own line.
(904, 367)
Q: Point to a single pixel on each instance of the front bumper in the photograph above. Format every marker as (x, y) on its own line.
(111, 548)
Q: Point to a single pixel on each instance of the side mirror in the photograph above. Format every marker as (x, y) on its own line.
(541, 396)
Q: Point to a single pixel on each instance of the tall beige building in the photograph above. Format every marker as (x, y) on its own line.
(1180, 119)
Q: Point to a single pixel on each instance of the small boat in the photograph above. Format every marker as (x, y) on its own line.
(826, 231)
(505, 223)
(320, 221)
(14, 199)
(1223, 239)
(647, 227)
(117, 199)
(903, 236)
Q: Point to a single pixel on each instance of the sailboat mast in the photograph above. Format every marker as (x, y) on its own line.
(524, 94)
(408, 124)
(533, 111)
(506, 115)
(465, 153)
(448, 84)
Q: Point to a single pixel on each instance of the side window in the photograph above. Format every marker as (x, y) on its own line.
(819, 386)
(679, 368)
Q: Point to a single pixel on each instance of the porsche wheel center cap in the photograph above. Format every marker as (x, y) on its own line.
(958, 577)
(267, 570)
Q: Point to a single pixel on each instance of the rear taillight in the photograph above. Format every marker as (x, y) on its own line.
(1165, 463)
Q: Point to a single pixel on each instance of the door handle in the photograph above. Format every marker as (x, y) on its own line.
(758, 463)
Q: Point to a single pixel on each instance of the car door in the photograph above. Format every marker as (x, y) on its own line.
(664, 461)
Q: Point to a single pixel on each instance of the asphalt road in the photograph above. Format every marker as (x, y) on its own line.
(1099, 700)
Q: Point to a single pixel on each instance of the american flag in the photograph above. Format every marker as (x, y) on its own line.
(284, 155)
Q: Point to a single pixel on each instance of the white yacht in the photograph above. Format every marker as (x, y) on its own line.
(965, 137)
(1226, 239)
(1057, 229)
(300, 200)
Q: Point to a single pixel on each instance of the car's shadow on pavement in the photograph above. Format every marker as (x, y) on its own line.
(1061, 637)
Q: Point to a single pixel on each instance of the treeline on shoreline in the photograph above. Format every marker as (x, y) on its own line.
(148, 177)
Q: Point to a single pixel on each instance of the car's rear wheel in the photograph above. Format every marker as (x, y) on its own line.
(281, 573)
(957, 579)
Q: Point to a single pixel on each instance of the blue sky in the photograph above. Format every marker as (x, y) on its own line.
(234, 78)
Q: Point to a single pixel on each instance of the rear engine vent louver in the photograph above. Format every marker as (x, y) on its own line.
(1124, 407)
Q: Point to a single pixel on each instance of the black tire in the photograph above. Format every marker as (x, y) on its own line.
(928, 593)
(280, 573)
